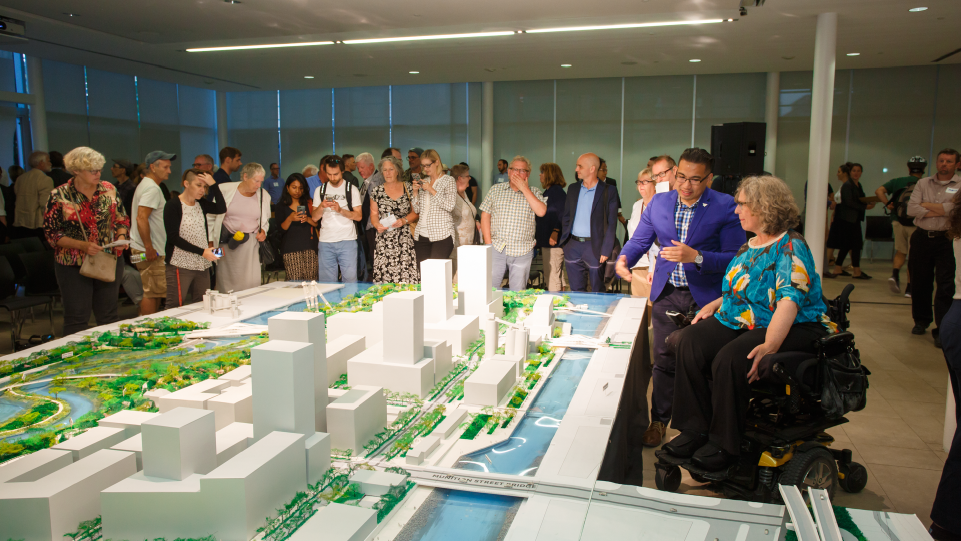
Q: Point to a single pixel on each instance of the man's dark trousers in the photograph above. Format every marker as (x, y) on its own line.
(584, 271)
(672, 299)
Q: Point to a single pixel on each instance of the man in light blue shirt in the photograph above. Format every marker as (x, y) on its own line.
(274, 184)
(588, 226)
(501, 175)
(582, 218)
(315, 181)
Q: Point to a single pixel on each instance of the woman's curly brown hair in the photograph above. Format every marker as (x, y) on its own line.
(954, 219)
(771, 200)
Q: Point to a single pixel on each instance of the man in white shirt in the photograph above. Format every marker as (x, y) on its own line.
(338, 217)
(147, 234)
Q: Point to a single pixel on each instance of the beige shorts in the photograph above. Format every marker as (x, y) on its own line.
(153, 275)
(902, 237)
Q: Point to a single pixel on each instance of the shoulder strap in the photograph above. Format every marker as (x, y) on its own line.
(347, 195)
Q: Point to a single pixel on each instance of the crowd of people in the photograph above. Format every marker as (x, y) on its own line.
(735, 268)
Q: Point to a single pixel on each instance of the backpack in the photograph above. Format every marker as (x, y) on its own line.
(900, 200)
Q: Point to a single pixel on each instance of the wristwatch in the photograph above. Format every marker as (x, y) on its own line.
(699, 259)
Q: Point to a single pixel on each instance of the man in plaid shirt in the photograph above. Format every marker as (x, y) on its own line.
(507, 222)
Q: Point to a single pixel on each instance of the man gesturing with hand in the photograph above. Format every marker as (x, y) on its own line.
(699, 235)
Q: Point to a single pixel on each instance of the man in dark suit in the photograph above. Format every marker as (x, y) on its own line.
(699, 235)
(588, 226)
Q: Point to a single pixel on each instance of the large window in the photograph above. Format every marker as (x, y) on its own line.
(524, 123)
(362, 120)
(305, 128)
(65, 98)
(252, 124)
(431, 116)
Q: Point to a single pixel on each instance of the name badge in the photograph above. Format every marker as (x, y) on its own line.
(276, 184)
(951, 190)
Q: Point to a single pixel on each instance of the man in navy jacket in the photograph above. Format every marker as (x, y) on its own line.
(588, 226)
(699, 235)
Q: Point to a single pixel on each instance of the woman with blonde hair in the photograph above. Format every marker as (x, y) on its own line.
(643, 270)
(547, 228)
(241, 229)
(770, 302)
(82, 216)
(434, 195)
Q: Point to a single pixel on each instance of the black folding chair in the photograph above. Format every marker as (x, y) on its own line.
(18, 305)
(41, 279)
(11, 252)
(29, 244)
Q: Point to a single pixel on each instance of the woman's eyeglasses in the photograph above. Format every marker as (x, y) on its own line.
(426, 164)
(640, 182)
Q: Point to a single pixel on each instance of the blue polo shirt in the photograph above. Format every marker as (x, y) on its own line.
(582, 216)
(275, 187)
(313, 183)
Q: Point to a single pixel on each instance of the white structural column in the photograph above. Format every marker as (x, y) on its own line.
(822, 106)
(487, 137)
(38, 110)
(221, 120)
(771, 107)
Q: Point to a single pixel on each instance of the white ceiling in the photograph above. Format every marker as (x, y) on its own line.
(148, 38)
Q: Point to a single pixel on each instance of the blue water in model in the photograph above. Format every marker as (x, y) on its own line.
(521, 454)
(465, 516)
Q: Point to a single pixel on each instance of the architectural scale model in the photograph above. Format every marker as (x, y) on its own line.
(430, 420)
(215, 300)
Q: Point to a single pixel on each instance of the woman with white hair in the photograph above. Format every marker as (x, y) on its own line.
(82, 216)
(395, 259)
(241, 230)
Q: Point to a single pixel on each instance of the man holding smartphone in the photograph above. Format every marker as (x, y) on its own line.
(337, 206)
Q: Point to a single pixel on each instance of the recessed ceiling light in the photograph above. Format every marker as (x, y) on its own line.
(232, 1)
(620, 26)
(70, 14)
(308, 76)
(439, 36)
(565, 65)
(413, 72)
(915, 10)
(694, 60)
(266, 46)
(854, 54)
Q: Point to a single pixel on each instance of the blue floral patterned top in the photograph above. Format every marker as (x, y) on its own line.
(758, 278)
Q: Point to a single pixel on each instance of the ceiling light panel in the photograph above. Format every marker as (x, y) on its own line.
(424, 38)
(622, 26)
(265, 46)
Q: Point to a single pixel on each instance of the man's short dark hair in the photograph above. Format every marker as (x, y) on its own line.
(502, 160)
(949, 151)
(601, 161)
(346, 157)
(229, 153)
(389, 152)
(332, 160)
(698, 156)
(56, 159)
(271, 166)
(465, 164)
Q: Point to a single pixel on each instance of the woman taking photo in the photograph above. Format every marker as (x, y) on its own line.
(640, 284)
(395, 259)
(299, 247)
(466, 226)
(241, 230)
(82, 215)
(845, 232)
(189, 255)
(434, 196)
(547, 228)
(770, 302)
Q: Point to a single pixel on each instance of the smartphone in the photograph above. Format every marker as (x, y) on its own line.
(328, 198)
(219, 252)
(301, 209)
(679, 319)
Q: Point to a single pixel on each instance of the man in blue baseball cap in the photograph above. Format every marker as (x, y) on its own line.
(413, 160)
(147, 234)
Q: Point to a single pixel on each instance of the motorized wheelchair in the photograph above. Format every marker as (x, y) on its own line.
(785, 439)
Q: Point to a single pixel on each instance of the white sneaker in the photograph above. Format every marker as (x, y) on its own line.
(894, 285)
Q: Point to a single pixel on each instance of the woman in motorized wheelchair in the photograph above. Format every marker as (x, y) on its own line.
(771, 302)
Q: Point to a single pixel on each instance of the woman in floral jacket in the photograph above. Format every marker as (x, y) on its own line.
(770, 302)
(82, 216)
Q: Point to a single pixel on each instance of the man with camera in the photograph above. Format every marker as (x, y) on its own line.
(337, 216)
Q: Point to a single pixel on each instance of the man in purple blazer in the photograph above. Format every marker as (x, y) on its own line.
(699, 235)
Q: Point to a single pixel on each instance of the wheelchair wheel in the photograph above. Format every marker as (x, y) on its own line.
(855, 477)
(814, 468)
(667, 477)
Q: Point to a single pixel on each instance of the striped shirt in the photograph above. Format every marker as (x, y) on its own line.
(435, 221)
(512, 219)
(683, 215)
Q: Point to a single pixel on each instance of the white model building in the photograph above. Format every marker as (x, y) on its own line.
(541, 319)
(45, 495)
(403, 361)
(440, 322)
(475, 295)
(370, 325)
(490, 383)
(355, 417)
(308, 328)
(215, 300)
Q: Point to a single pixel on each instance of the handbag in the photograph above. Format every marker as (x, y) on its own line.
(267, 253)
(844, 380)
(100, 266)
